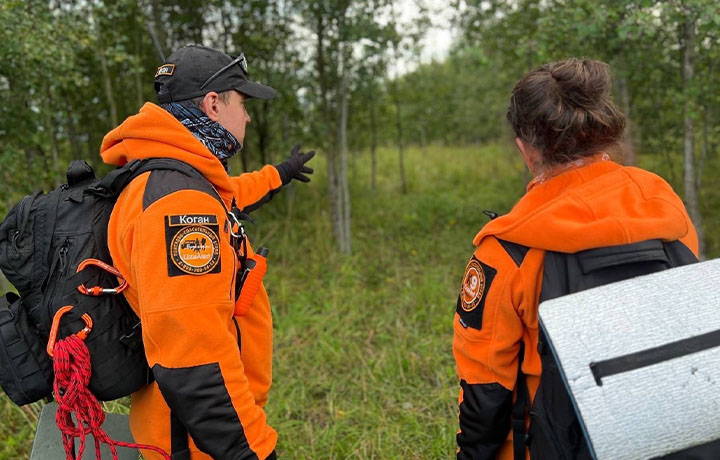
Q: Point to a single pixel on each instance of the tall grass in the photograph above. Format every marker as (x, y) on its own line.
(363, 367)
(363, 360)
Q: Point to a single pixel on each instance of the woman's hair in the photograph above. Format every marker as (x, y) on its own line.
(564, 110)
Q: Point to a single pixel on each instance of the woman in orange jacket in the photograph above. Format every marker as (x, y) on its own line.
(565, 122)
(171, 237)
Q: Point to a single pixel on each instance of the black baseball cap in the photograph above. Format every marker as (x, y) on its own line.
(194, 70)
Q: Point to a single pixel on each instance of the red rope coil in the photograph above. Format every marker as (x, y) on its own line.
(72, 375)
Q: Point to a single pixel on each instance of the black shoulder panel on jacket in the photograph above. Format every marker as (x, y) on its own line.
(516, 251)
(163, 182)
(199, 398)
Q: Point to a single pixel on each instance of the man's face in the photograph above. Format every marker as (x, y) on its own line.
(233, 116)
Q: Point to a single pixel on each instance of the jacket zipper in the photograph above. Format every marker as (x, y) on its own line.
(239, 335)
(63, 257)
(62, 265)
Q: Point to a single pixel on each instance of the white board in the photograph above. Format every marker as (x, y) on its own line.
(653, 410)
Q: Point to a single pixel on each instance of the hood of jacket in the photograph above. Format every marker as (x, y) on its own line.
(599, 204)
(153, 133)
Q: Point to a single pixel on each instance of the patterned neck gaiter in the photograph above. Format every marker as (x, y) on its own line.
(212, 134)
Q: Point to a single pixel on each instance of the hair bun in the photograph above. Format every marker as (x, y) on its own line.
(564, 110)
(581, 82)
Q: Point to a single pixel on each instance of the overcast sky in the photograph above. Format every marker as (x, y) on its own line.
(438, 39)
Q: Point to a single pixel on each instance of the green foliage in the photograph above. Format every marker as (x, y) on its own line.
(642, 40)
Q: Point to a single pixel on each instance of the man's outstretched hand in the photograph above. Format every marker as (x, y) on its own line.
(294, 167)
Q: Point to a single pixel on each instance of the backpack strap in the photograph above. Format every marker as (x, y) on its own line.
(679, 254)
(522, 401)
(591, 268)
(517, 253)
(113, 183)
(613, 256)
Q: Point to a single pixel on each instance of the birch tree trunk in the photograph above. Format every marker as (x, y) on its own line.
(108, 89)
(401, 148)
(285, 128)
(704, 149)
(344, 188)
(52, 130)
(628, 144)
(138, 68)
(373, 145)
(75, 150)
(705, 152)
(262, 129)
(159, 27)
(689, 176)
(330, 141)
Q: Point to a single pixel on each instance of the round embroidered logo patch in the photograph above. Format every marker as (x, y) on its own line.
(195, 250)
(473, 286)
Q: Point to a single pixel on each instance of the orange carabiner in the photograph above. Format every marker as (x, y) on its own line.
(56, 325)
(99, 290)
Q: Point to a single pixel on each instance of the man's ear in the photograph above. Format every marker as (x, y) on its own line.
(211, 105)
(529, 154)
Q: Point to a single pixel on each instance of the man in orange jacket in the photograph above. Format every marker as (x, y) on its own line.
(579, 199)
(172, 238)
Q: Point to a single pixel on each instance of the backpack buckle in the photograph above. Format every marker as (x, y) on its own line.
(99, 290)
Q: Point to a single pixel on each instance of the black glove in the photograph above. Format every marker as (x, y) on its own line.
(294, 167)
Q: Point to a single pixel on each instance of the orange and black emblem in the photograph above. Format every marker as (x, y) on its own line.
(195, 250)
(473, 293)
(473, 286)
(193, 244)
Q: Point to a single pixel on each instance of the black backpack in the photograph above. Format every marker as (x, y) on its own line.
(43, 239)
(555, 432)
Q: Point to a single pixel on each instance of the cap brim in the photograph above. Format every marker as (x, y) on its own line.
(252, 89)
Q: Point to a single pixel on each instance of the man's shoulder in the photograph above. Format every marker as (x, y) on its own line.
(163, 183)
(158, 185)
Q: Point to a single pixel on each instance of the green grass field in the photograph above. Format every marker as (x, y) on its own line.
(363, 364)
(363, 359)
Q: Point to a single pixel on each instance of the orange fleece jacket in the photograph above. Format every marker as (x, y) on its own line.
(595, 205)
(187, 320)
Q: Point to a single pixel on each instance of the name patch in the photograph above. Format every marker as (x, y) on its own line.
(167, 69)
(187, 219)
(193, 244)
